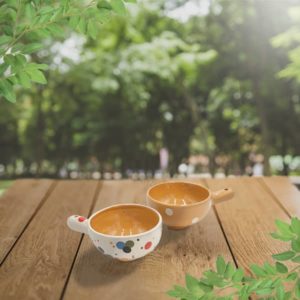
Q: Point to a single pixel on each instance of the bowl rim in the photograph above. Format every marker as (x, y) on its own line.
(207, 199)
(159, 223)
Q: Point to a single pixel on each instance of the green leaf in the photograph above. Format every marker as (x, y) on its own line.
(104, 16)
(9, 59)
(29, 11)
(3, 67)
(295, 226)
(36, 76)
(238, 275)
(57, 13)
(13, 79)
(280, 292)
(131, 1)
(103, 4)
(292, 276)
(264, 291)
(118, 6)
(205, 287)
(42, 33)
(277, 281)
(284, 228)
(17, 47)
(5, 39)
(254, 285)
(266, 283)
(271, 270)
(221, 265)
(243, 293)
(229, 271)
(20, 60)
(297, 290)
(74, 20)
(34, 66)
(46, 10)
(296, 245)
(30, 48)
(257, 270)
(6, 89)
(55, 29)
(280, 237)
(82, 25)
(287, 295)
(92, 29)
(178, 292)
(192, 285)
(284, 255)
(281, 268)
(296, 259)
(24, 79)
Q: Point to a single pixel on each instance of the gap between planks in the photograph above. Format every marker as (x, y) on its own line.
(41, 203)
(288, 203)
(193, 251)
(97, 191)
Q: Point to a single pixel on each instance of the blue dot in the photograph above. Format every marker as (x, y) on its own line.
(120, 245)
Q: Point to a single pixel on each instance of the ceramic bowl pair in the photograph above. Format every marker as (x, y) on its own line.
(130, 231)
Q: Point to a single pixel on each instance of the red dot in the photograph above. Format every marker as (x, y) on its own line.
(81, 219)
(148, 245)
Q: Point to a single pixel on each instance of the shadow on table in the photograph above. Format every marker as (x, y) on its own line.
(171, 236)
(95, 268)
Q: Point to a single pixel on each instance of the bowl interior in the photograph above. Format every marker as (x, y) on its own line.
(178, 193)
(124, 220)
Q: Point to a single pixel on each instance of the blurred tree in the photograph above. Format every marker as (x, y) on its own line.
(204, 86)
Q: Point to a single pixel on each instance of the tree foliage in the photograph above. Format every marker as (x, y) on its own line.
(206, 86)
(26, 25)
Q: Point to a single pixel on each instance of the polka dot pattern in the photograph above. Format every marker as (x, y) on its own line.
(129, 244)
(120, 245)
(148, 245)
(100, 249)
(169, 212)
(126, 247)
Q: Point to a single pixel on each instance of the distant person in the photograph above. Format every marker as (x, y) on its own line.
(258, 169)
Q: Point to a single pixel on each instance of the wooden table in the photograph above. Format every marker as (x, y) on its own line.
(42, 259)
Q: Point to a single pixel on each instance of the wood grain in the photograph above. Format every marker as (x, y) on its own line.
(248, 219)
(39, 264)
(285, 192)
(17, 206)
(95, 276)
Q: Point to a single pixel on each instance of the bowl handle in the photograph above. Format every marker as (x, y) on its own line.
(78, 223)
(222, 195)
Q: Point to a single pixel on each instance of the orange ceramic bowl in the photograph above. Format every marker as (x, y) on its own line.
(183, 204)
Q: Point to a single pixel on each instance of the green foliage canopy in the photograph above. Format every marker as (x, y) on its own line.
(26, 25)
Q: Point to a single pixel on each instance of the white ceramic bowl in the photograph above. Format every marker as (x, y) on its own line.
(120, 243)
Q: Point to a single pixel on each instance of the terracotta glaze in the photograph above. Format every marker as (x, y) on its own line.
(124, 220)
(183, 204)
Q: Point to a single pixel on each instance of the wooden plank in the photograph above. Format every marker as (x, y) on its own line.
(285, 192)
(39, 264)
(248, 219)
(17, 206)
(193, 250)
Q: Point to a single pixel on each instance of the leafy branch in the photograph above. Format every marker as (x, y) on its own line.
(26, 24)
(267, 281)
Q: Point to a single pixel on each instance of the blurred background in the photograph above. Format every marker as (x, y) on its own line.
(203, 88)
